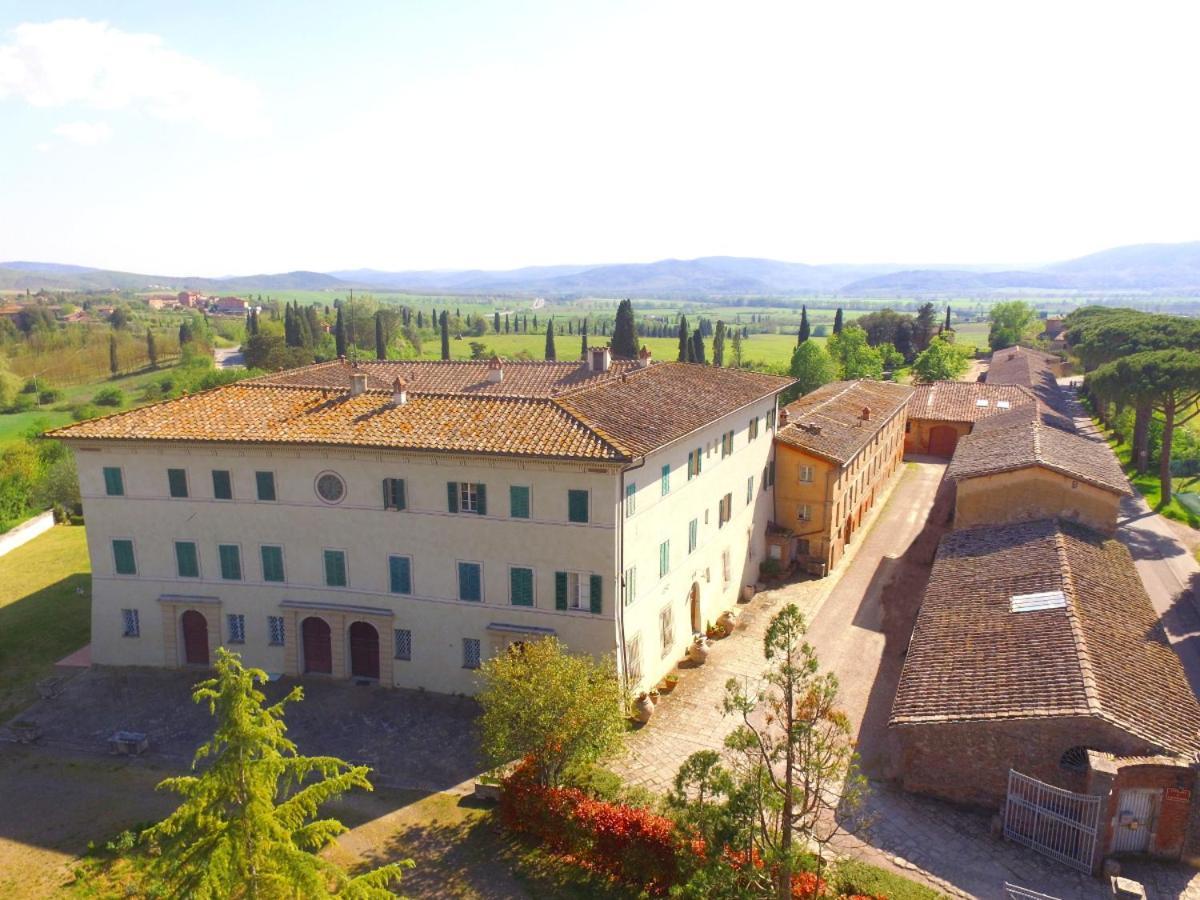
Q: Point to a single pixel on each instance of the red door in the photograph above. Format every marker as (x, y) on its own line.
(195, 638)
(364, 651)
(942, 440)
(318, 649)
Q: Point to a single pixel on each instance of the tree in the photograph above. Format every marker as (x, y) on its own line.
(554, 708)
(119, 317)
(114, 365)
(837, 321)
(624, 336)
(923, 327)
(684, 339)
(947, 325)
(185, 333)
(941, 361)
(380, 342)
(805, 330)
(550, 352)
(812, 367)
(151, 349)
(583, 344)
(719, 345)
(445, 326)
(1011, 323)
(736, 349)
(339, 334)
(247, 826)
(496, 321)
(803, 745)
(698, 353)
(855, 358)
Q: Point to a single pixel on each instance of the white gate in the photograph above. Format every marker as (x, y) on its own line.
(1050, 820)
(1135, 818)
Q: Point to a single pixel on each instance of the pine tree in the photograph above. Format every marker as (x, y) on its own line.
(550, 354)
(719, 345)
(624, 336)
(736, 349)
(113, 365)
(445, 323)
(583, 343)
(339, 334)
(684, 339)
(805, 329)
(380, 343)
(535, 324)
(247, 825)
(837, 321)
(151, 349)
(496, 321)
(290, 338)
(947, 325)
(506, 323)
(420, 319)
(698, 354)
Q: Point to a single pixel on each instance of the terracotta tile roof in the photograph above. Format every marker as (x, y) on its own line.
(614, 420)
(1020, 439)
(1102, 654)
(828, 421)
(964, 401)
(1030, 369)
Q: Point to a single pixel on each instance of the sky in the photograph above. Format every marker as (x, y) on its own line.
(233, 137)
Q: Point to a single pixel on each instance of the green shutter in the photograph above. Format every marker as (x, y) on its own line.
(666, 480)
(222, 486)
(265, 482)
(114, 484)
(400, 574)
(521, 583)
(699, 460)
(481, 499)
(518, 501)
(469, 582)
(560, 590)
(577, 506)
(123, 557)
(177, 482)
(401, 494)
(187, 563)
(335, 568)
(231, 562)
(452, 496)
(272, 563)
(597, 587)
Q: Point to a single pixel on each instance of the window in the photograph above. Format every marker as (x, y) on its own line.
(330, 487)
(694, 463)
(272, 563)
(123, 561)
(400, 574)
(275, 630)
(335, 568)
(664, 559)
(633, 660)
(470, 653)
(177, 485)
(470, 582)
(724, 510)
(231, 561)
(806, 474)
(402, 640)
(236, 623)
(752, 431)
(187, 562)
(394, 494)
(114, 483)
(769, 479)
(520, 586)
(264, 482)
(666, 480)
(222, 485)
(804, 512)
(725, 572)
(629, 585)
(518, 501)
(630, 499)
(749, 490)
(466, 496)
(726, 444)
(576, 590)
(770, 420)
(130, 626)
(1074, 759)
(577, 506)
(666, 628)
(693, 535)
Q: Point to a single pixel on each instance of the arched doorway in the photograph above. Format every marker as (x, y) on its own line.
(364, 651)
(942, 440)
(195, 638)
(694, 602)
(318, 648)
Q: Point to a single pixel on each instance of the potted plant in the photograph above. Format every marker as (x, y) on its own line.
(643, 707)
(713, 632)
(770, 570)
(668, 684)
(727, 620)
(698, 650)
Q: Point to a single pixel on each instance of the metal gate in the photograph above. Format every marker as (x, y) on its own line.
(1135, 819)
(1058, 823)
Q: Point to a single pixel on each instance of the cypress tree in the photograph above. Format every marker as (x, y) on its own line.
(837, 321)
(313, 320)
(698, 354)
(185, 333)
(535, 324)
(550, 354)
(719, 344)
(583, 343)
(380, 343)
(947, 325)
(339, 333)
(496, 321)
(506, 323)
(624, 339)
(151, 349)
(805, 330)
(289, 326)
(420, 319)
(113, 365)
(684, 340)
(445, 335)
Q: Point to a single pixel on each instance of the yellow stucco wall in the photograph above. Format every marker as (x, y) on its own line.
(916, 439)
(1033, 493)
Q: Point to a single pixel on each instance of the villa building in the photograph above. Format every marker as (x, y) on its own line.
(401, 522)
(942, 412)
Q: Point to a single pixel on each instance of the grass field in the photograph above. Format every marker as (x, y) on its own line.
(1148, 485)
(45, 608)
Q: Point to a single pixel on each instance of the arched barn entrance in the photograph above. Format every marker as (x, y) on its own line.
(195, 638)
(318, 648)
(942, 440)
(364, 651)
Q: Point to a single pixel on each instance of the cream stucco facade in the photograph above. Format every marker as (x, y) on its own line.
(1031, 493)
(430, 624)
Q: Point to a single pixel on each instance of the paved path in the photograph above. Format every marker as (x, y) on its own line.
(229, 357)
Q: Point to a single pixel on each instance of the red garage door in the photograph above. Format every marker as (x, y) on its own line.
(318, 649)
(942, 440)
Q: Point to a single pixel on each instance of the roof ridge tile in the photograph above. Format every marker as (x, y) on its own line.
(1090, 689)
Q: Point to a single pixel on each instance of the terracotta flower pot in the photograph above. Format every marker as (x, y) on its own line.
(643, 708)
(727, 620)
(698, 651)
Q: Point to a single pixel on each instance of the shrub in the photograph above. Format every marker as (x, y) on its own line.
(50, 395)
(109, 396)
(85, 411)
(22, 403)
(770, 568)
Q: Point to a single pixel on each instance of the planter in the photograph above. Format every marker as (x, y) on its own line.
(747, 592)
(643, 708)
(698, 651)
(654, 696)
(727, 620)
(488, 792)
(668, 684)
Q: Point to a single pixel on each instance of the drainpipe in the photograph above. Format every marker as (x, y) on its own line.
(619, 597)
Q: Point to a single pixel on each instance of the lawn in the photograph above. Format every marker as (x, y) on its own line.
(13, 426)
(1148, 485)
(45, 609)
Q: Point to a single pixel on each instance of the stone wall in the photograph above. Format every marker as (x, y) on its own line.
(1034, 493)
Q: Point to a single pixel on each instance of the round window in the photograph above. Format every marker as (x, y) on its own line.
(330, 487)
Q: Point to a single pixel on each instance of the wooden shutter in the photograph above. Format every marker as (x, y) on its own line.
(481, 499)
(113, 483)
(597, 585)
(560, 590)
(518, 501)
(521, 586)
(452, 496)
(401, 574)
(123, 557)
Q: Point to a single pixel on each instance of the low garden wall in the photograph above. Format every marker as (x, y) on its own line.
(26, 532)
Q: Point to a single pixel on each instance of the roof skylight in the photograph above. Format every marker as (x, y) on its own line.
(1039, 601)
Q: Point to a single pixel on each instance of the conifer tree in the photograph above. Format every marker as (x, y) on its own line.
(837, 321)
(445, 323)
(311, 317)
(114, 365)
(719, 345)
(946, 327)
(535, 324)
(151, 349)
(380, 343)
(420, 319)
(247, 825)
(185, 333)
(805, 329)
(583, 343)
(506, 323)
(550, 354)
(736, 349)
(496, 321)
(698, 354)
(684, 340)
(339, 333)
(624, 337)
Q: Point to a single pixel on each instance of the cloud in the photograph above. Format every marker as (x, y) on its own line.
(86, 133)
(77, 62)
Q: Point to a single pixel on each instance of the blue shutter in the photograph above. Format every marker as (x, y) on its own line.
(597, 584)
(666, 480)
(222, 486)
(577, 506)
(560, 590)
(272, 563)
(400, 572)
(452, 496)
(177, 485)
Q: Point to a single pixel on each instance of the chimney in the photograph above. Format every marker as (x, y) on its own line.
(783, 416)
(399, 392)
(866, 414)
(644, 357)
(358, 383)
(601, 359)
(495, 370)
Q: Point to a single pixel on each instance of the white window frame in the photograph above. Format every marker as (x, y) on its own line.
(468, 496)
(187, 483)
(804, 513)
(579, 596)
(806, 474)
(633, 660)
(726, 570)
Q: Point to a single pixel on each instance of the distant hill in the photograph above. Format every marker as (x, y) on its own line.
(1152, 268)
